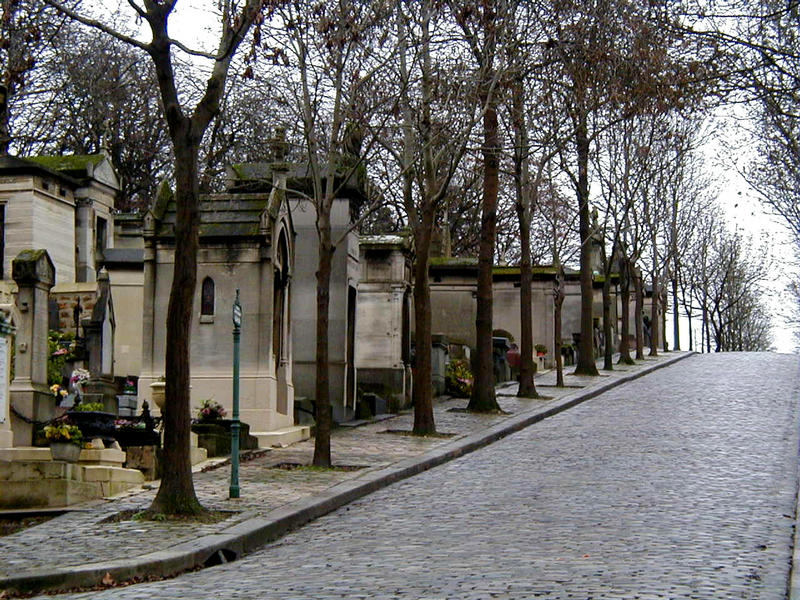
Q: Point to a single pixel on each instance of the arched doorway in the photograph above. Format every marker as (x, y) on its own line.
(281, 321)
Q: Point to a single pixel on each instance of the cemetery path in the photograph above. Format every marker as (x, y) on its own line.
(93, 537)
(681, 484)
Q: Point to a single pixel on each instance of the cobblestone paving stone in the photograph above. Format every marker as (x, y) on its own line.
(263, 489)
(678, 485)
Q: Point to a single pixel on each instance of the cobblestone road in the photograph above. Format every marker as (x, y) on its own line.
(681, 484)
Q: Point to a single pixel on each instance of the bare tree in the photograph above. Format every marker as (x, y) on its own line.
(434, 141)
(186, 127)
(538, 136)
(336, 56)
(615, 58)
(484, 28)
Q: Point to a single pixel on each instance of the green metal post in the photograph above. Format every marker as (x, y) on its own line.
(237, 324)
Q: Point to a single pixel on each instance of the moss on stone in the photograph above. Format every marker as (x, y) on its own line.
(72, 162)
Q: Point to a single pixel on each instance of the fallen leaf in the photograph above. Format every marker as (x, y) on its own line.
(108, 579)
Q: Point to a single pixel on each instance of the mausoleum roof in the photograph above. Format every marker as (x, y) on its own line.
(28, 166)
(223, 215)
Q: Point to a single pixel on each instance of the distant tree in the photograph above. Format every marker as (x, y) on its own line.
(615, 58)
(29, 33)
(102, 96)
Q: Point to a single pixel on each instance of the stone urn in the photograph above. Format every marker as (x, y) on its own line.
(158, 394)
(66, 451)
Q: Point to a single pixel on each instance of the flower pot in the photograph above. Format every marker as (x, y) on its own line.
(157, 393)
(65, 451)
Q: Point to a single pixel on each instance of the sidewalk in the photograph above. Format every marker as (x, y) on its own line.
(78, 548)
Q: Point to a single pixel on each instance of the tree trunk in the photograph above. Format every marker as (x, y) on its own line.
(691, 334)
(676, 330)
(608, 347)
(424, 423)
(5, 90)
(557, 304)
(176, 494)
(664, 306)
(524, 193)
(639, 308)
(483, 397)
(322, 392)
(527, 387)
(654, 318)
(625, 293)
(586, 364)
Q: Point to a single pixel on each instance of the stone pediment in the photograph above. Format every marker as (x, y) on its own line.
(103, 172)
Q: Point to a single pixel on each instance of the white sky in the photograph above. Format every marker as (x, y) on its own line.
(193, 23)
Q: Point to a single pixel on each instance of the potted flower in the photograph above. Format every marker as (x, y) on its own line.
(214, 430)
(65, 440)
(210, 410)
(458, 378)
(541, 349)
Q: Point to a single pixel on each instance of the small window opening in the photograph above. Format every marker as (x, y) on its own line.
(207, 297)
(101, 239)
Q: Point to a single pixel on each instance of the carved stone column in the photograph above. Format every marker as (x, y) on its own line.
(34, 273)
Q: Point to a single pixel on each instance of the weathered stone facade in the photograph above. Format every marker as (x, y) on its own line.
(247, 243)
(62, 204)
(383, 332)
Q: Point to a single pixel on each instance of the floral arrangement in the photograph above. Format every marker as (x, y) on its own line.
(210, 410)
(88, 406)
(64, 432)
(458, 378)
(79, 376)
(541, 349)
(58, 392)
(130, 386)
(60, 346)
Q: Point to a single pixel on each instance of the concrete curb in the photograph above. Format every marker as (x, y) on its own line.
(793, 593)
(249, 535)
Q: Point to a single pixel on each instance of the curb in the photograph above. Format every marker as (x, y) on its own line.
(793, 591)
(251, 534)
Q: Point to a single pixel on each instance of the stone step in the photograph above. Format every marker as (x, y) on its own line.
(25, 454)
(282, 437)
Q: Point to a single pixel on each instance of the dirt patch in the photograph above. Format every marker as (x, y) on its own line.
(457, 409)
(406, 433)
(300, 467)
(244, 456)
(138, 514)
(9, 525)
